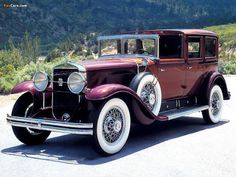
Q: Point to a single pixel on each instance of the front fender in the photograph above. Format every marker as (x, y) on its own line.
(26, 86)
(107, 90)
(142, 113)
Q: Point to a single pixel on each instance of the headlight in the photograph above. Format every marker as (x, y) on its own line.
(40, 81)
(76, 82)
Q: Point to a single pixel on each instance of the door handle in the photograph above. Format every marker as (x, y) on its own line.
(189, 67)
(162, 70)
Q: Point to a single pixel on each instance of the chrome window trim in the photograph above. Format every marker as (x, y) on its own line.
(130, 36)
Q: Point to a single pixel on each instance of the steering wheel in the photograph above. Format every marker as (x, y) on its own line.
(142, 51)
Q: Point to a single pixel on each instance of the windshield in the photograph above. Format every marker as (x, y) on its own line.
(130, 47)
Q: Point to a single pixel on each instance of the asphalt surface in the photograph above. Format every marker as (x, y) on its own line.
(184, 147)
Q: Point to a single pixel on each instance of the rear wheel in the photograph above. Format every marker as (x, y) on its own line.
(23, 107)
(111, 122)
(213, 114)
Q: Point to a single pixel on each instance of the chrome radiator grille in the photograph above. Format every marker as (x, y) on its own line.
(63, 99)
(60, 77)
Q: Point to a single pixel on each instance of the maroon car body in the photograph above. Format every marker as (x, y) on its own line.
(181, 75)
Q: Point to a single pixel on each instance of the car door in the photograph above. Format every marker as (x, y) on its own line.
(194, 64)
(171, 75)
(170, 69)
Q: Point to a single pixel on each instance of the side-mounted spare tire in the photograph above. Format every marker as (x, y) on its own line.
(148, 89)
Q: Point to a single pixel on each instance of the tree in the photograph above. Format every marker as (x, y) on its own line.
(30, 48)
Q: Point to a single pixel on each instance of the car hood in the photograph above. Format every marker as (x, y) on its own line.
(110, 64)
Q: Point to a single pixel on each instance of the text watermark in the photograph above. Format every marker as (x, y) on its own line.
(9, 5)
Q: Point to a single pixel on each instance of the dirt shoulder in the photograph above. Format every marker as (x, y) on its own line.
(8, 99)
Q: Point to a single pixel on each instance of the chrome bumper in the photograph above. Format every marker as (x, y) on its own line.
(51, 125)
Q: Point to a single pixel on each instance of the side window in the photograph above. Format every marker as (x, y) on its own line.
(194, 47)
(110, 47)
(170, 46)
(140, 46)
(130, 46)
(210, 47)
(149, 46)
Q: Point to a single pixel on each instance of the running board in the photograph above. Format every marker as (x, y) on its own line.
(176, 113)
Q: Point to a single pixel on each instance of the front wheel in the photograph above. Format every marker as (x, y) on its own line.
(23, 107)
(213, 114)
(111, 126)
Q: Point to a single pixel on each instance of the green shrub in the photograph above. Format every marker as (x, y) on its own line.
(9, 76)
(227, 67)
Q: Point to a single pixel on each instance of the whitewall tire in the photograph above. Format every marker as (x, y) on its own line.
(111, 126)
(213, 114)
(149, 91)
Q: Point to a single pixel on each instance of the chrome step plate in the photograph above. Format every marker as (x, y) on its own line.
(176, 113)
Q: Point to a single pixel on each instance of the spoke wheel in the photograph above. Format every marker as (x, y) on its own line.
(149, 91)
(213, 114)
(148, 95)
(111, 126)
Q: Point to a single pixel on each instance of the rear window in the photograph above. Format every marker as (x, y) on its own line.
(170, 46)
(210, 47)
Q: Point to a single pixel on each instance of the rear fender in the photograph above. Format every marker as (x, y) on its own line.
(142, 113)
(212, 79)
(217, 78)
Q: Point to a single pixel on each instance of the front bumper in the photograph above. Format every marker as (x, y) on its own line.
(51, 125)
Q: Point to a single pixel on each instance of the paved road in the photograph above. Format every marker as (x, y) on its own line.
(183, 147)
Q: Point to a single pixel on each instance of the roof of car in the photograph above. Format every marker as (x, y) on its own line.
(176, 31)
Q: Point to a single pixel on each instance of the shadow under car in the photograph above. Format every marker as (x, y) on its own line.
(74, 149)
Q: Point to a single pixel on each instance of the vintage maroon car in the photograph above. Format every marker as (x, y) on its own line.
(145, 76)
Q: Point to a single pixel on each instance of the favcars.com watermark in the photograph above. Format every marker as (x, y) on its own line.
(8, 5)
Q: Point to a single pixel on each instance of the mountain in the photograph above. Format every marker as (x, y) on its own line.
(53, 20)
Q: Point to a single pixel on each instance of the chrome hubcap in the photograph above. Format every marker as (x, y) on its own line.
(152, 99)
(117, 126)
(113, 125)
(148, 95)
(215, 103)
